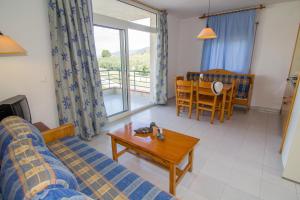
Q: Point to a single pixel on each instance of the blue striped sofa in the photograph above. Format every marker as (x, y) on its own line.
(63, 167)
(244, 83)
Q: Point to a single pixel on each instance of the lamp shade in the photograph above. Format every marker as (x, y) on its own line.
(207, 33)
(8, 46)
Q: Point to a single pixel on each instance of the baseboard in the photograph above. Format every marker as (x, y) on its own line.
(265, 109)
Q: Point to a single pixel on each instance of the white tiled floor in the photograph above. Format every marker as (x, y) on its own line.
(236, 160)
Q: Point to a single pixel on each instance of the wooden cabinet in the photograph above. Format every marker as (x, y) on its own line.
(287, 105)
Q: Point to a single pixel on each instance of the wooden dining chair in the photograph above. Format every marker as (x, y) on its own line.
(184, 96)
(228, 103)
(179, 78)
(206, 100)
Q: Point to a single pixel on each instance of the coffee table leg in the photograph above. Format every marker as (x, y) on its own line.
(191, 159)
(114, 149)
(172, 179)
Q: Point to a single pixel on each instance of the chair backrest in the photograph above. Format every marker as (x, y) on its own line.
(234, 89)
(204, 88)
(244, 82)
(179, 78)
(184, 87)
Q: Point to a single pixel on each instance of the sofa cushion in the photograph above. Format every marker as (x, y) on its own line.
(27, 170)
(15, 128)
(99, 176)
(61, 194)
(242, 81)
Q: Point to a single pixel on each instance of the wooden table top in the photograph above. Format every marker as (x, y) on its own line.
(173, 149)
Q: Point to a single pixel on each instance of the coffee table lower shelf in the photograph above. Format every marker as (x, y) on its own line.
(175, 174)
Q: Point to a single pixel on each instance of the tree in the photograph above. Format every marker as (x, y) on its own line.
(105, 53)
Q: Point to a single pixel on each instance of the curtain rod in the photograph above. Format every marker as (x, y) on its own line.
(142, 4)
(261, 6)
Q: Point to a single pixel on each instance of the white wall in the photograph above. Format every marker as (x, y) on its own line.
(173, 28)
(31, 75)
(190, 48)
(276, 36)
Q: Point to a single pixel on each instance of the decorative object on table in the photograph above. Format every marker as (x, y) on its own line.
(217, 87)
(201, 77)
(152, 124)
(10, 47)
(146, 130)
(160, 134)
(154, 129)
(143, 130)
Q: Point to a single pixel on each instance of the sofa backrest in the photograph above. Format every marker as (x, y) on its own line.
(243, 81)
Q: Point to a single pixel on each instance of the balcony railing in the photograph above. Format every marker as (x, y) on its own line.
(139, 80)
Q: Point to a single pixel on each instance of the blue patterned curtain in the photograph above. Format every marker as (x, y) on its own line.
(161, 86)
(77, 78)
(232, 50)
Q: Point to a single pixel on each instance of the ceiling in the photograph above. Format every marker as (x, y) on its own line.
(116, 9)
(192, 8)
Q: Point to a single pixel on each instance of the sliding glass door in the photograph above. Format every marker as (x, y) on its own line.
(139, 69)
(111, 55)
(126, 53)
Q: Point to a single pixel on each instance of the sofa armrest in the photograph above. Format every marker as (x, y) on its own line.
(66, 130)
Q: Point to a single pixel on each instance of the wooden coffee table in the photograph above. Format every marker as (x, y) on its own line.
(168, 153)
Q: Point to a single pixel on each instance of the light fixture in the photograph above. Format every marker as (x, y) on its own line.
(9, 47)
(207, 32)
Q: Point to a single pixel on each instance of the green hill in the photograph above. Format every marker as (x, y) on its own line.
(139, 60)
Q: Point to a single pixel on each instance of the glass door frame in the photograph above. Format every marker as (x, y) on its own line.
(124, 69)
(124, 26)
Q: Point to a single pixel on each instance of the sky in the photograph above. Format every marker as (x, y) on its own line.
(106, 38)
